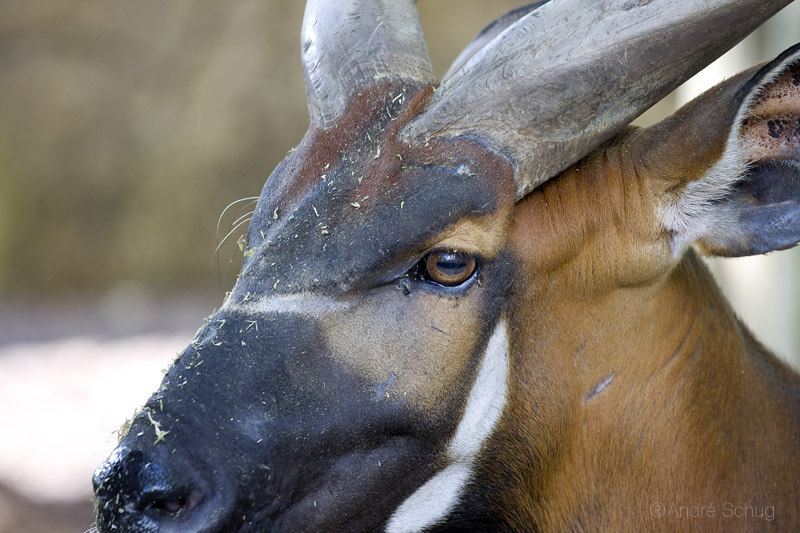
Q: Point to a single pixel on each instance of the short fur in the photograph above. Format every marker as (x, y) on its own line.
(587, 375)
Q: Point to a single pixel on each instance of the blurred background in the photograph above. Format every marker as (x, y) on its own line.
(126, 128)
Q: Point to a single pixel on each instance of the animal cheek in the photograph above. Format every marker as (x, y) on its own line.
(424, 344)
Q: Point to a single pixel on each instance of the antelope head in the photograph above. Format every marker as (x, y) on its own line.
(399, 351)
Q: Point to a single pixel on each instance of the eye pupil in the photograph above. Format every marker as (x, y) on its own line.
(449, 268)
(452, 266)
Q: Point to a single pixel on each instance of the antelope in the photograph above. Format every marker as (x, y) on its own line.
(480, 304)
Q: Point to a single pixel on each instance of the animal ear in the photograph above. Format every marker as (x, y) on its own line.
(748, 201)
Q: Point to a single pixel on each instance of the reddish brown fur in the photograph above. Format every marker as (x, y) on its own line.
(633, 383)
(385, 160)
(321, 150)
(697, 413)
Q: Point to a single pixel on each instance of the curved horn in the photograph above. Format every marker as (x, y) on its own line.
(488, 33)
(349, 44)
(568, 76)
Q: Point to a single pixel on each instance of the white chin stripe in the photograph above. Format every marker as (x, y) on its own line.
(433, 501)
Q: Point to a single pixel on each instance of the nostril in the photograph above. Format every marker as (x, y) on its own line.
(140, 491)
(136, 492)
(171, 506)
(172, 502)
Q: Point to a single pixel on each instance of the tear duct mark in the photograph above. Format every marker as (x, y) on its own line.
(462, 173)
(371, 172)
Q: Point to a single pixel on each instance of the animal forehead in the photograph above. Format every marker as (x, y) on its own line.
(358, 196)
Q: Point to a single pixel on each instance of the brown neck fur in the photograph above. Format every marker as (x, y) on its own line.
(633, 382)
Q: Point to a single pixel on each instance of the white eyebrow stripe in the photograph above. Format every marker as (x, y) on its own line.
(436, 498)
(303, 303)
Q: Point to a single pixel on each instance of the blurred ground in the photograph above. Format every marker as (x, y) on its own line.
(19, 514)
(126, 128)
(69, 377)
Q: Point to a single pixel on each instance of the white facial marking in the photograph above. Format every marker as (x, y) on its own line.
(306, 304)
(434, 500)
(486, 399)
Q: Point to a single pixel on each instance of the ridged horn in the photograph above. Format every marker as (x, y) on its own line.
(571, 74)
(350, 44)
(488, 34)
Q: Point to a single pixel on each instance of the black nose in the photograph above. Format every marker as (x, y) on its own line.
(137, 493)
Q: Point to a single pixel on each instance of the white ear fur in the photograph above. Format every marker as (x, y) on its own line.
(695, 214)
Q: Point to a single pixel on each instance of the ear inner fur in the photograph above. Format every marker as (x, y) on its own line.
(757, 130)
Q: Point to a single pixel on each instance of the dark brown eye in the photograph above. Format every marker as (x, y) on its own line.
(449, 267)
